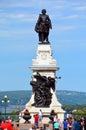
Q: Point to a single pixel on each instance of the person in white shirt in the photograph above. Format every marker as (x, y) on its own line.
(40, 115)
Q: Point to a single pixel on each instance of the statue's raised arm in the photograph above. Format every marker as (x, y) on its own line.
(43, 26)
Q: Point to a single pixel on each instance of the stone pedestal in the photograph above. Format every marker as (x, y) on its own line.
(45, 65)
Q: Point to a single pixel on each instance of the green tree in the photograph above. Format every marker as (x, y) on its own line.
(80, 113)
(14, 115)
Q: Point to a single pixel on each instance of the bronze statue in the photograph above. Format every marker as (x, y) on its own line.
(43, 26)
(42, 90)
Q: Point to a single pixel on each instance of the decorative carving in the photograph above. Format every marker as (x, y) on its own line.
(43, 56)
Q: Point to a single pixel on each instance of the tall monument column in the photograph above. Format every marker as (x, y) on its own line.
(44, 69)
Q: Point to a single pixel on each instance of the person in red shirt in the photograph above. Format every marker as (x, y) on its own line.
(6, 125)
(3, 125)
(36, 120)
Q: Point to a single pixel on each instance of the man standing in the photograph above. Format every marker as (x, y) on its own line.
(42, 26)
(36, 120)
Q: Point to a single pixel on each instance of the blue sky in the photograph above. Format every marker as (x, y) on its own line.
(19, 41)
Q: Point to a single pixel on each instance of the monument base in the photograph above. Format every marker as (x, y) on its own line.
(45, 65)
(55, 105)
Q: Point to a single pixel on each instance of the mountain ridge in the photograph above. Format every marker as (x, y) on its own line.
(21, 97)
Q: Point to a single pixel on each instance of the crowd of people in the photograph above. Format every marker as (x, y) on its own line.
(74, 124)
(69, 123)
(8, 125)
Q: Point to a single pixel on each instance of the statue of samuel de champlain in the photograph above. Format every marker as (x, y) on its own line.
(43, 26)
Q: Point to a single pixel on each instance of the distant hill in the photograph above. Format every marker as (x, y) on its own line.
(64, 97)
(71, 97)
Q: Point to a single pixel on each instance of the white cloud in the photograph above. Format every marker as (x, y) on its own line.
(64, 4)
(2, 20)
(72, 27)
(17, 16)
(6, 18)
(80, 8)
(9, 33)
(17, 3)
(24, 3)
(62, 28)
(4, 33)
(23, 17)
(34, 4)
(15, 47)
(1, 10)
(70, 17)
(58, 7)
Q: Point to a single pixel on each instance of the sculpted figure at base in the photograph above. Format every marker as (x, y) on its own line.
(26, 116)
(43, 26)
(42, 90)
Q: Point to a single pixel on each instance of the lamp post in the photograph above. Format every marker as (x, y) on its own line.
(5, 100)
(58, 77)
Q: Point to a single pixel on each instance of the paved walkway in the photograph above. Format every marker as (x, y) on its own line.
(27, 126)
(45, 121)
